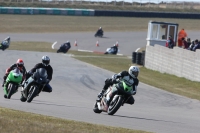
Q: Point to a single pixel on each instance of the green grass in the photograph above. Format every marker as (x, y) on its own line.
(12, 121)
(60, 24)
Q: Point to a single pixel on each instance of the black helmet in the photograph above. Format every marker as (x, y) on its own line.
(45, 60)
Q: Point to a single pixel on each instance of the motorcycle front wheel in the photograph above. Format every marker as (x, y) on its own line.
(11, 90)
(33, 91)
(95, 109)
(115, 105)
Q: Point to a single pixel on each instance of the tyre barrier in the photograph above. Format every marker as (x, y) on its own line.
(143, 58)
(134, 57)
(138, 58)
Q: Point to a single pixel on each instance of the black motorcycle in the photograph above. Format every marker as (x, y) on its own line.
(99, 33)
(34, 85)
(64, 48)
(5, 43)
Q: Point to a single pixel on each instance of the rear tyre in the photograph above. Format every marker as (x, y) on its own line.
(115, 105)
(33, 91)
(95, 109)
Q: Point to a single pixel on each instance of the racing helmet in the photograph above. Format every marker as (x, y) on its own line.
(133, 71)
(45, 60)
(20, 63)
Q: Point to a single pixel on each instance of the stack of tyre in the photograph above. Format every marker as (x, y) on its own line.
(138, 58)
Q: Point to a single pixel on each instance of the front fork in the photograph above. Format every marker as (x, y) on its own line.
(26, 86)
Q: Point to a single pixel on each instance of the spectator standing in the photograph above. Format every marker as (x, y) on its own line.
(170, 43)
(184, 44)
(189, 42)
(181, 34)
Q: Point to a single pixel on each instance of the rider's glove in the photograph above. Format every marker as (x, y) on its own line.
(47, 81)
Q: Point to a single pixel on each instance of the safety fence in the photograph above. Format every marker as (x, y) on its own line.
(147, 14)
(48, 11)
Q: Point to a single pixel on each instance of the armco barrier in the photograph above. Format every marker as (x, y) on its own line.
(147, 14)
(47, 11)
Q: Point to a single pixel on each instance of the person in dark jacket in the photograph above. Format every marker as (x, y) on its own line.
(184, 43)
(191, 46)
(196, 45)
(45, 64)
(129, 77)
(170, 43)
(112, 50)
(64, 47)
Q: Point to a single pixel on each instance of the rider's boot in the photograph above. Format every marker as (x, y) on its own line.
(101, 94)
(3, 83)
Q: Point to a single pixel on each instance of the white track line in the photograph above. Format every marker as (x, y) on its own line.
(53, 45)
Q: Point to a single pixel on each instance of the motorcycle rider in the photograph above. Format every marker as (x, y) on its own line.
(20, 65)
(114, 50)
(45, 64)
(130, 78)
(100, 31)
(65, 47)
(5, 43)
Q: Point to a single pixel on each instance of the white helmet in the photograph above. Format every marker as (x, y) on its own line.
(45, 60)
(133, 71)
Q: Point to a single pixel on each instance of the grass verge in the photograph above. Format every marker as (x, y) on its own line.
(51, 23)
(12, 121)
(164, 81)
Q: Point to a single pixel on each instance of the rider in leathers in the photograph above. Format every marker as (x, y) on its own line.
(45, 64)
(129, 77)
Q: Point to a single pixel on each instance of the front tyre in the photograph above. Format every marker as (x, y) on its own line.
(95, 109)
(33, 91)
(11, 90)
(115, 105)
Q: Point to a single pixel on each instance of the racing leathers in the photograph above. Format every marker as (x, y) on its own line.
(126, 77)
(49, 70)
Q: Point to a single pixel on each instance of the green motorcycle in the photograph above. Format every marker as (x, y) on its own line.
(12, 83)
(117, 101)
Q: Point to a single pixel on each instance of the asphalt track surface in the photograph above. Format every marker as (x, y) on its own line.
(76, 84)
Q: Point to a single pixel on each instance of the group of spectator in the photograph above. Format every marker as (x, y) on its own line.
(183, 43)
